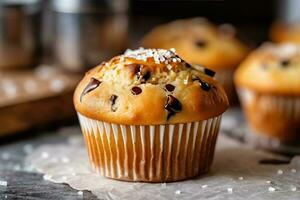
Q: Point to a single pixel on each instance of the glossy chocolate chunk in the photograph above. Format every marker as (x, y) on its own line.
(205, 86)
(169, 88)
(134, 69)
(140, 71)
(113, 99)
(285, 63)
(93, 84)
(209, 72)
(136, 90)
(173, 106)
(188, 65)
(145, 76)
(201, 43)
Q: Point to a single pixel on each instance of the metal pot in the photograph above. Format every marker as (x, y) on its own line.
(20, 38)
(86, 32)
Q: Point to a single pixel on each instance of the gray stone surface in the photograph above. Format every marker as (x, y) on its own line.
(24, 184)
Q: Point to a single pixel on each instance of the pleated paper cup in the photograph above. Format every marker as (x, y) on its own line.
(150, 153)
(272, 116)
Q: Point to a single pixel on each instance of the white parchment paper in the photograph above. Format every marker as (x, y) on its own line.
(235, 174)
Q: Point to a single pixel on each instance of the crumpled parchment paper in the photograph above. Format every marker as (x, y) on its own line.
(235, 174)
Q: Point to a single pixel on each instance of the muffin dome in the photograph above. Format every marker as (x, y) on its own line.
(149, 86)
(284, 32)
(273, 69)
(199, 42)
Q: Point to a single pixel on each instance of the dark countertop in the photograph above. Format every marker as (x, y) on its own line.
(23, 184)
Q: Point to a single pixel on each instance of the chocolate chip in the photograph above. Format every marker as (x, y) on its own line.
(169, 88)
(172, 105)
(188, 65)
(285, 63)
(93, 84)
(113, 99)
(205, 86)
(209, 72)
(134, 69)
(140, 71)
(201, 43)
(145, 76)
(136, 90)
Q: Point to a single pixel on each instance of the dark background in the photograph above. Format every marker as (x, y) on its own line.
(252, 18)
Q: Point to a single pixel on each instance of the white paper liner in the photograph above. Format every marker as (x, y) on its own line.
(236, 166)
(155, 153)
(287, 109)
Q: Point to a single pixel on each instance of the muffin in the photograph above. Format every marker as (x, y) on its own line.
(200, 42)
(149, 116)
(268, 83)
(285, 32)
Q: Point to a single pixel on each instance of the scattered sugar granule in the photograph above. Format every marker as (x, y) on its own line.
(177, 192)
(163, 185)
(293, 170)
(80, 193)
(47, 177)
(241, 178)
(17, 167)
(3, 183)
(271, 189)
(65, 160)
(5, 196)
(279, 172)
(229, 190)
(74, 174)
(269, 182)
(204, 186)
(293, 188)
(27, 148)
(45, 155)
(5, 156)
(169, 67)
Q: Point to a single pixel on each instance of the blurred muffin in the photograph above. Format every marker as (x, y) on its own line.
(284, 32)
(268, 83)
(200, 42)
(149, 116)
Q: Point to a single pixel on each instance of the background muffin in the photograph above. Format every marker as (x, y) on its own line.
(202, 43)
(149, 116)
(268, 83)
(285, 32)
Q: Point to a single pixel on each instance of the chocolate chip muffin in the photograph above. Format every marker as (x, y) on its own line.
(268, 83)
(200, 42)
(149, 116)
(285, 32)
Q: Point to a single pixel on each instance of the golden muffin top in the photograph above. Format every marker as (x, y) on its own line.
(272, 68)
(149, 87)
(284, 32)
(199, 42)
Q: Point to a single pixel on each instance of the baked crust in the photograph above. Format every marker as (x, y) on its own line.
(284, 32)
(106, 92)
(198, 41)
(271, 69)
